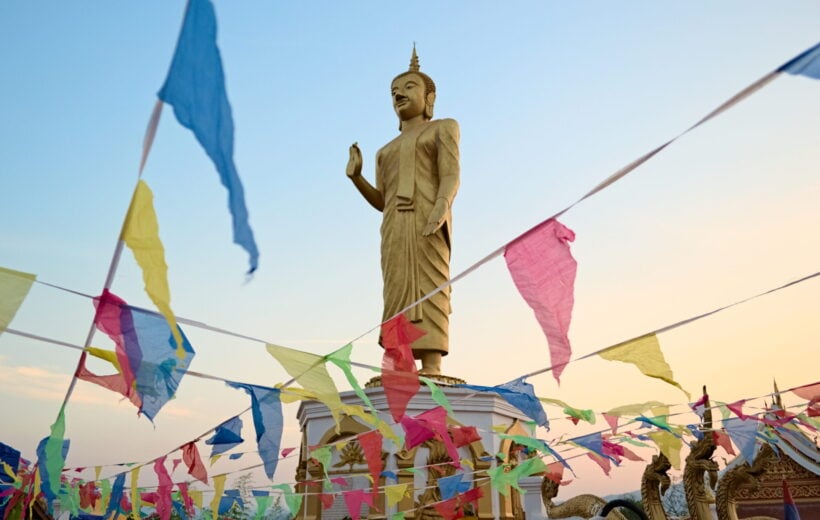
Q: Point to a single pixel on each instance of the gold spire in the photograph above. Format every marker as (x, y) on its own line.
(414, 60)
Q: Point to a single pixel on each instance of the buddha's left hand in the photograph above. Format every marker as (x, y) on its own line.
(436, 217)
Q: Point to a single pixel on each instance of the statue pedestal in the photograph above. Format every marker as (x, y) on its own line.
(488, 413)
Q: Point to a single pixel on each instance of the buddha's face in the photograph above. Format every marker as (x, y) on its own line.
(408, 95)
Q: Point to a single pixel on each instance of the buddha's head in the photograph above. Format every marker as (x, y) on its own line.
(413, 93)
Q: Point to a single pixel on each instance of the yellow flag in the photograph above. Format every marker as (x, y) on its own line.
(196, 496)
(215, 458)
(135, 494)
(292, 394)
(500, 428)
(340, 445)
(141, 235)
(645, 353)
(395, 493)
(387, 432)
(219, 488)
(310, 371)
(36, 491)
(669, 445)
(105, 355)
(633, 410)
(14, 286)
(97, 471)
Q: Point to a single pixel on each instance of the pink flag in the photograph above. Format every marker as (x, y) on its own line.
(612, 421)
(353, 500)
(722, 439)
(449, 509)
(555, 471)
(737, 408)
(400, 378)
(287, 451)
(164, 488)
(187, 501)
(436, 420)
(327, 500)
(415, 432)
(601, 461)
(371, 443)
(464, 435)
(113, 382)
(543, 270)
(190, 455)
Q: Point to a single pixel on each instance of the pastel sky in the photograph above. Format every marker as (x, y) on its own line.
(551, 99)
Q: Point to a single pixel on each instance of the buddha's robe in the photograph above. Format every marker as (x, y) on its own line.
(412, 172)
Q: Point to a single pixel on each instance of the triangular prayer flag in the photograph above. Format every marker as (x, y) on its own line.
(219, 488)
(190, 455)
(226, 436)
(520, 394)
(450, 486)
(669, 444)
(263, 502)
(116, 495)
(14, 287)
(327, 500)
(397, 516)
(699, 406)
(371, 444)
(645, 353)
(187, 500)
(341, 358)
(400, 378)
(437, 394)
(737, 409)
(612, 421)
(267, 420)
(323, 456)
(310, 371)
(631, 410)
(164, 489)
(195, 87)
(51, 454)
(436, 420)
(146, 350)
(464, 435)
(744, 435)
(594, 442)
(353, 500)
(292, 500)
(395, 493)
(790, 511)
(723, 440)
(448, 509)
(543, 270)
(287, 451)
(555, 472)
(141, 234)
(135, 494)
(806, 63)
(603, 462)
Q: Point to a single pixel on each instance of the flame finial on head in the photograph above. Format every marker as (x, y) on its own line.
(414, 60)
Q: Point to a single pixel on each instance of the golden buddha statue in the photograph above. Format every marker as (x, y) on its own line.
(417, 176)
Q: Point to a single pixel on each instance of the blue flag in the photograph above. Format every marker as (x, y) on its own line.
(226, 436)
(116, 495)
(267, 419)
(195, 87)
(157, 368)
(520, 394)
(805, 64)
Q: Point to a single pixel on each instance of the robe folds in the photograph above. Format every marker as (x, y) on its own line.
(413, 171)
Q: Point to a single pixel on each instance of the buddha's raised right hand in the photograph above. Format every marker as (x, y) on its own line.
(354, 164)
